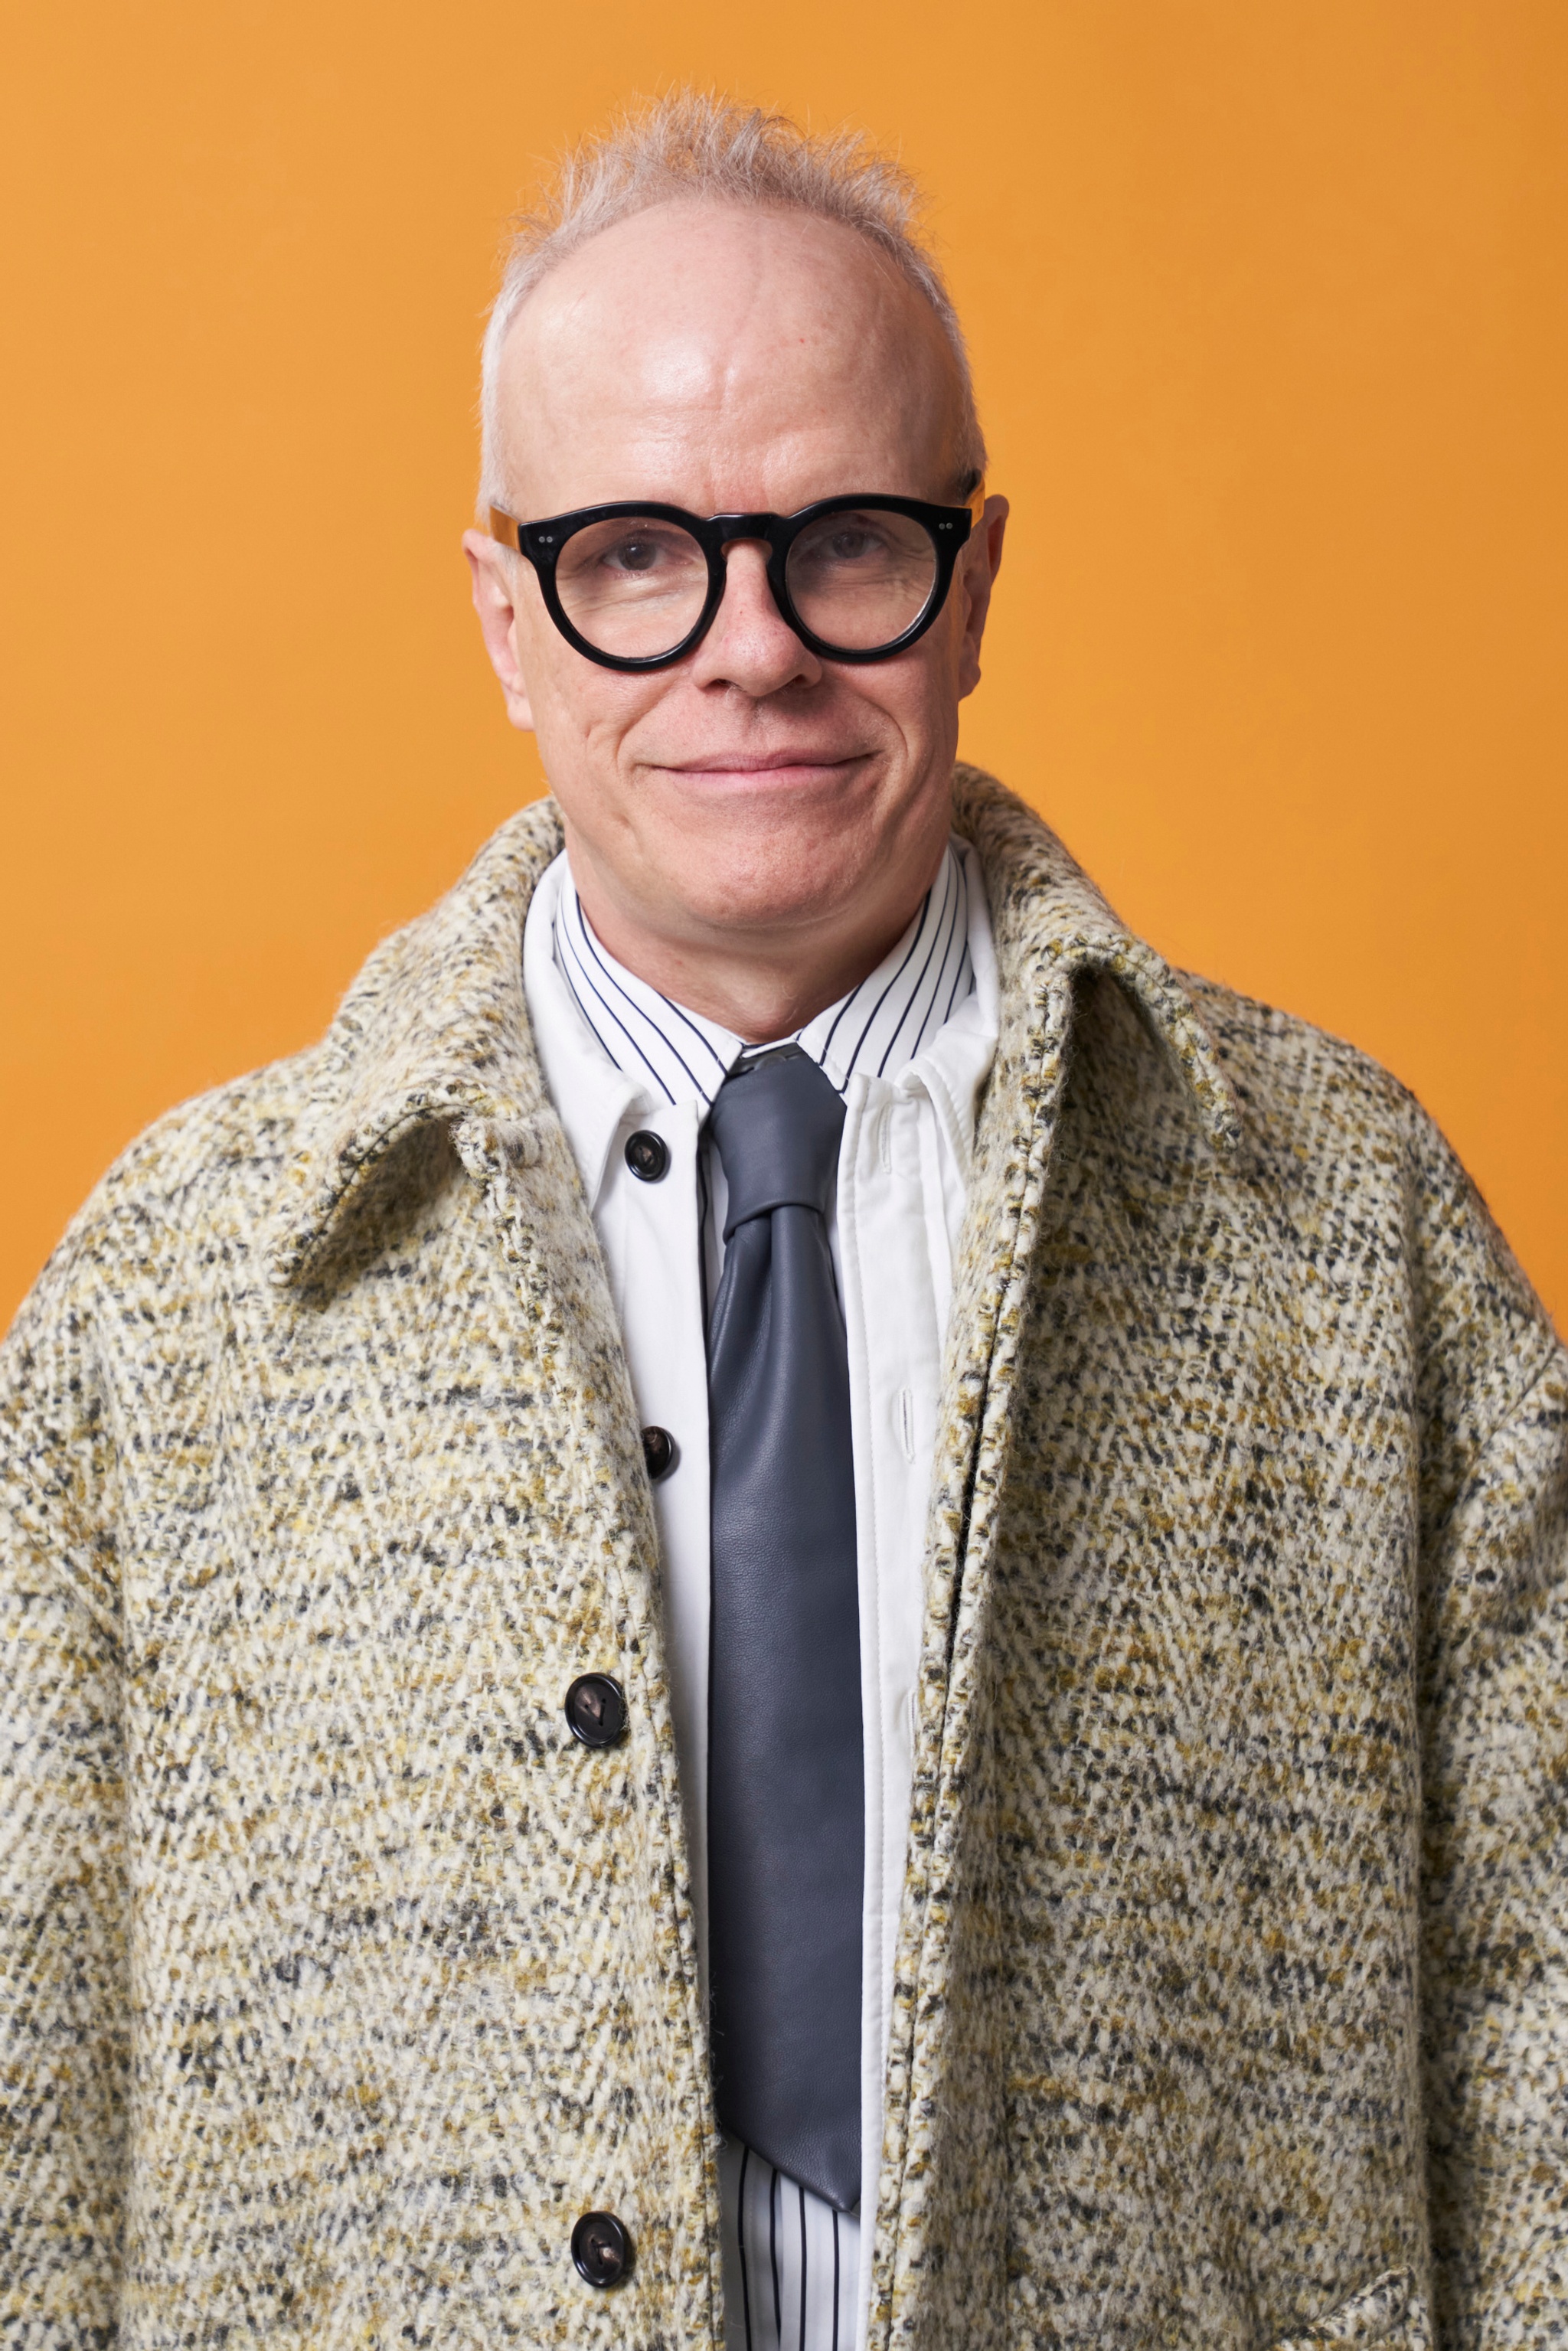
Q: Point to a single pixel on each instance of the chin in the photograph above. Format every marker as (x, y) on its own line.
(786, 873)
(748, 902)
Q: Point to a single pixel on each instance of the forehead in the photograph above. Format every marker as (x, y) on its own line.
(700, 353)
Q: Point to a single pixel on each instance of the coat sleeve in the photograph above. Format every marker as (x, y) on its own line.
(63, 1914)
(1494, 1612)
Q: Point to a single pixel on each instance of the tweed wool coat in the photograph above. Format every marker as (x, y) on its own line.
(336, 1980)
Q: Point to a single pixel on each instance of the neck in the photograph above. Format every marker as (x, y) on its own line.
(761, 983)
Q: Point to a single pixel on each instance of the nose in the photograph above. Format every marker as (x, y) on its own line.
(751, 645)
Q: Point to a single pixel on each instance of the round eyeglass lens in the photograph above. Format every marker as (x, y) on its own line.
(860, 578)
(635, 586)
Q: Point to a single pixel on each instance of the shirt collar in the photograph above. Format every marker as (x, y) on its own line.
(669, 1054)
(435, 1029)
(593, 1095)
(673, 1055)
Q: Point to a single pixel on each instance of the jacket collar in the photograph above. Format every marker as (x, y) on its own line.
(436, 1028)
(1050, 922)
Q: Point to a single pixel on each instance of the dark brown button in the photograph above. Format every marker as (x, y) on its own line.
(596, 1709)
(658, 1452)
(647, 1155)
(602, 2248)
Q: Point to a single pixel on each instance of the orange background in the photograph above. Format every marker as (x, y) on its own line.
(1266, 299)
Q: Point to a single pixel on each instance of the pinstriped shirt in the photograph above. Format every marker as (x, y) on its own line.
(908, 1049)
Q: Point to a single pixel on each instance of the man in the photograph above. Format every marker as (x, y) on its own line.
(794, 1607)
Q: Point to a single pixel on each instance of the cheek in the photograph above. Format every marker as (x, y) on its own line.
(916, 694)
(541, 651)
(581, 713)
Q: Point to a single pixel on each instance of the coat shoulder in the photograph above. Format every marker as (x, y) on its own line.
(218, 1161)
(161, 1195)
(1367, 1169)
(1303, 1091)
(1291, 1075)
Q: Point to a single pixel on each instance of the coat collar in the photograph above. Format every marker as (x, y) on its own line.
(436, 1028)
(1050, 922)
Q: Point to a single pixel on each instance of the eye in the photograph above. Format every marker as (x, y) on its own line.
(853, 541)
(632, 555)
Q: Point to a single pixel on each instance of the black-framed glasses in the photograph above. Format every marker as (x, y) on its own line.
(635, 586)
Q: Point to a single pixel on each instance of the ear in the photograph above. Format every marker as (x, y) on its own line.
(494, 572)
(977, 569)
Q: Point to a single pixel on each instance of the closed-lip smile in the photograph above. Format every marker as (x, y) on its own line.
(753, 763)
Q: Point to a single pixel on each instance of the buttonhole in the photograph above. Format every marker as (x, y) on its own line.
(906, 1423)
(884, 1142)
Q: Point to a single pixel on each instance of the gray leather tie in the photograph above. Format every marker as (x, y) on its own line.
(786, 1774)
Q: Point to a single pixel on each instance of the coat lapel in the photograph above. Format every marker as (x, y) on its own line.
(434, 1029)
(940, 2267)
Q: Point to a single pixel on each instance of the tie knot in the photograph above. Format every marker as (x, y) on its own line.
(776, 1123)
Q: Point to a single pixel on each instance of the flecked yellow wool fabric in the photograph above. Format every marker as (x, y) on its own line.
(336, 1981)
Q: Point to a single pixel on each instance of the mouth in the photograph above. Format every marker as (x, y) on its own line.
(769, 767)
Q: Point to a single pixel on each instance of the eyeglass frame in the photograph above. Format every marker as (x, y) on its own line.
(540, 543)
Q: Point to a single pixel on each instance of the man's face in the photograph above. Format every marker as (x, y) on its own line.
(728, 360)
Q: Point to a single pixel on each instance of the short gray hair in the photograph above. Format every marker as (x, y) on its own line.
(693, 144)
